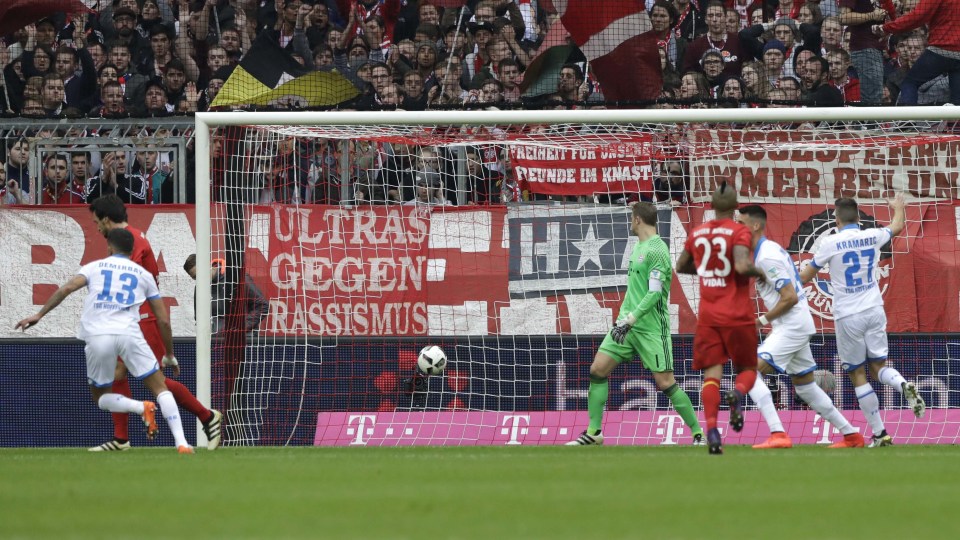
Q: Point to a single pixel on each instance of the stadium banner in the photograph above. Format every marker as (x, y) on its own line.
(398, 271)
(814, 167)
(600, 167)
(498, 375)
(639, 428)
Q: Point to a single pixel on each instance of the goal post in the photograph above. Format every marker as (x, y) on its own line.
(503, 237)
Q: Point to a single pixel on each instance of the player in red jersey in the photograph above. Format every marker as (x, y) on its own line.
(719, 251)
(110, 213)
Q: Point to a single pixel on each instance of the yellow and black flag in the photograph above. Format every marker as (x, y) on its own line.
(268, 75)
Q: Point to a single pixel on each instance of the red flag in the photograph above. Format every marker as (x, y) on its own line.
(616, 37)
(15, 14)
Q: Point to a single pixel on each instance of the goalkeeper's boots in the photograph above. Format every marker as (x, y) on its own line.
(112, 446)
(212, 430)
(883, 439)
(698, 439)
(150, 419)
(851, 440)
(714, 443)
(735, 401)
(184, 449)
(913, 399)
(585, 439)
(778, 439)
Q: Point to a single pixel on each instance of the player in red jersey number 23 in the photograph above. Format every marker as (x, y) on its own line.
(719, 251)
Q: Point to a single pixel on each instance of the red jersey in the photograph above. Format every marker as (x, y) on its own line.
(724, 294)
(143, 255)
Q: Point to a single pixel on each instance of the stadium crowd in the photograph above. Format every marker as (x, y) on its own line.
(151, 58)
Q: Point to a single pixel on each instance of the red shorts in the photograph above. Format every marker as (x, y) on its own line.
(151, 333)
(713, 345)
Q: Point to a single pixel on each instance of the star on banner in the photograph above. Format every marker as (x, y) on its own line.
(589, 248)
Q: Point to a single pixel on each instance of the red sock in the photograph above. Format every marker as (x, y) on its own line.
(186, 400)
(745, 381)
(710, 397)
(121, 424)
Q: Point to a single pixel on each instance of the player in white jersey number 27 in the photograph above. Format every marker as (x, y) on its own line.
(786, 349)
(852, 257)
(110, 328)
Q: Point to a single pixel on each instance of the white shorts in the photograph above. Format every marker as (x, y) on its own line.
(102, 352)
(787, 353)
(862, 337)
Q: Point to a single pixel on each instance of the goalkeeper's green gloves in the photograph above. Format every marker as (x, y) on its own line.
(623, 326)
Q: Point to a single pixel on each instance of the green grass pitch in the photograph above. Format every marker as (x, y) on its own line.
(482, 492)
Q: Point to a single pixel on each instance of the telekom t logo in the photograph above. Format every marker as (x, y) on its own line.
(824, 429)
(516, 423)
(674, 427)
(361, 428)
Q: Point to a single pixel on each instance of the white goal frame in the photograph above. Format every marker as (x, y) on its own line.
(206, 121)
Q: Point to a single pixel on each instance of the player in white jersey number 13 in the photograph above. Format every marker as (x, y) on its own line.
(852, 257)
(786, 349)
(110, 327)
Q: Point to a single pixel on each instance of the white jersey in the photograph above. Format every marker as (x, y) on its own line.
(777, 265)
(116, 287)
(853, 257)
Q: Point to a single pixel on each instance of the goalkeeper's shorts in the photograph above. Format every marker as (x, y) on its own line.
(654, 350)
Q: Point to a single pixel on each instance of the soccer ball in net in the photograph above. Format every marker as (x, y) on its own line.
(432, 360)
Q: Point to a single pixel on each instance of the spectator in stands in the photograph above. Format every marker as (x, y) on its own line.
(831, 33)
(174, 81)
(52, 94)
(415, 99)
(810, 13)
(866, 50)
(671, 185)
(691, 23)
(131, 82)
(693, 87)
(817, 90)
(663, 19)
(491, 92)
(734, 90)
(124, 21)
(774, 56)
(111, 98)
(10, 192)
(57, 189)
(79, 85)
(80, 170)
(390, 95)
(755, 77)
(482, 33)
(568, 86)
(482, 182)
(790, 87)
(712, 65)
(839, 62)
(42, 61)
(509, 76)
(942, 56)
(426, 61)
(426, 193)
(155, 100)
(18, 161)
(114, 179)
(909, 48)
(717, 38)
(318, 25)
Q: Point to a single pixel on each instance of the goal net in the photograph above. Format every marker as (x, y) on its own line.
(337, 245)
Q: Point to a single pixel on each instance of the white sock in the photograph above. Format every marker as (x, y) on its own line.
(168, 406)
(891, 377)
(760, 394)
(116, 403)
(819, 401)
(870, 405)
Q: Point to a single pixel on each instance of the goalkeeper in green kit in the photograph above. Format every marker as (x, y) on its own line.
(642, 329)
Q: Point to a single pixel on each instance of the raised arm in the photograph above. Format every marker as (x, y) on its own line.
(899, 215)
(78, 282)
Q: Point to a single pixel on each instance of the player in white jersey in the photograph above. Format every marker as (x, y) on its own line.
(110, 327)
(852, 257)
(786, 349)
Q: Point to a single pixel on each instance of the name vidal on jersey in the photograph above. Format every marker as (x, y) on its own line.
(713, 282)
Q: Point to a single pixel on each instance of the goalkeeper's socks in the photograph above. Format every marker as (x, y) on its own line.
(710, 397)
(683, 406)
(121, 421)
(168, 407)
(596, 401)
(116, 403)
(188, 401)
(760, 394)
(892, 378)
(819, 401)
(745, 381)
(870, 405)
